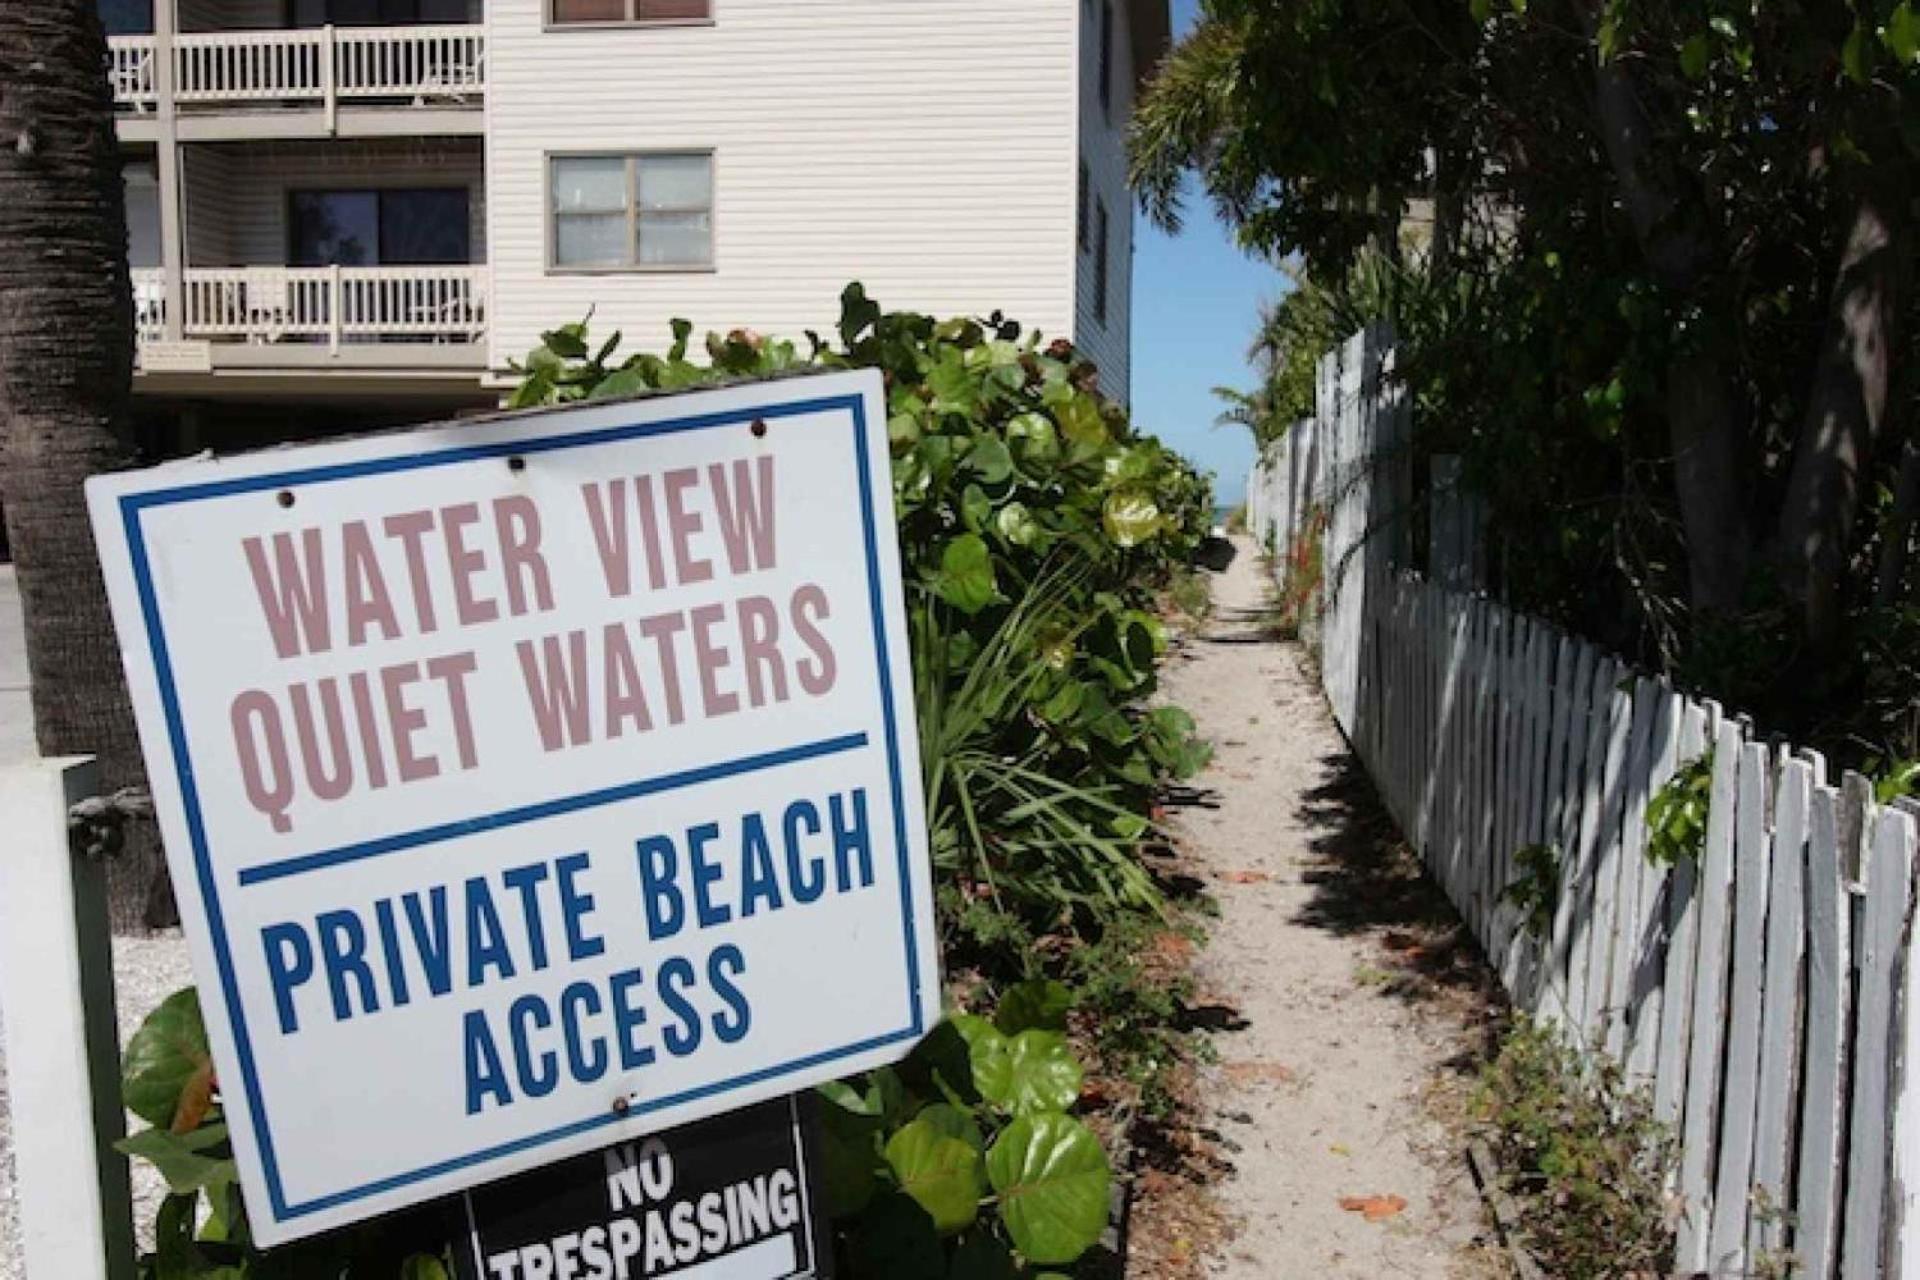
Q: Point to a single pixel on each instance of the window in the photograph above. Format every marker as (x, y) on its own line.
(1080, 211)
(380, 13)
(651, 211)
(1106, 56)
(127, 17)
(403, 226)
(1100, 262)
(566, 13)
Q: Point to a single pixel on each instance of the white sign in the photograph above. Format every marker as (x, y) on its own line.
(188, 356)
(530, 784)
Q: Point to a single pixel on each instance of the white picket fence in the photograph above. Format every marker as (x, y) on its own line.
(1763, 994)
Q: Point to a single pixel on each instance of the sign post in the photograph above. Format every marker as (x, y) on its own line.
(533, 784)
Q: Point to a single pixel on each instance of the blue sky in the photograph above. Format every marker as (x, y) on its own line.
(1196, 299)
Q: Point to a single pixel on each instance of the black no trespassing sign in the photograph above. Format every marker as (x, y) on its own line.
(728, 1198)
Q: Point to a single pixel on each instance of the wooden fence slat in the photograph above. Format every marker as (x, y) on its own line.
(1602, 845)
(1648, 999)
(1452, 741)
(1503, 784)
(1780, 1043)
(1698, 1150)
(1753, 849)
(1888, 883)
(1529, 973)
(1584, 848)
(1629, 932)
(1903, 1260)
(1596, 1014)
(1683, 940)
(1565, 783)
(1486, 649)
(1829, 1016)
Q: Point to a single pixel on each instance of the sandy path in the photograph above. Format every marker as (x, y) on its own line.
(1319, 1095)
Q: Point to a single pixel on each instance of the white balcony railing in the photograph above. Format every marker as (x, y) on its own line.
(149, 303)
(130, 68)
(317, 66)
(427, 62)
(332, 305)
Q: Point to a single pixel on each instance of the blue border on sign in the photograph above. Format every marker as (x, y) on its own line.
(131, 508)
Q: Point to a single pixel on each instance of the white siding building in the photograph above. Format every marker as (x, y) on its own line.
(364, 209)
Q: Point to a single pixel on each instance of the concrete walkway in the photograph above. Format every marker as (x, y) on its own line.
(1320, 1097)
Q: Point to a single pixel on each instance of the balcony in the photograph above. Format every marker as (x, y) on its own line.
(316, 68)
(322, 316)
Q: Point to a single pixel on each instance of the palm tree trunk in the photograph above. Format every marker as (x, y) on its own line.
(66, 368)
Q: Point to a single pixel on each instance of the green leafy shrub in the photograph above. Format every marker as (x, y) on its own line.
(1535, 892)
(1895, 780)
(1035, 525)
(964, 1160)
(1582, 1154)
(1677, 814)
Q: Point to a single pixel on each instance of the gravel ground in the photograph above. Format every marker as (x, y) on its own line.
(146, 971)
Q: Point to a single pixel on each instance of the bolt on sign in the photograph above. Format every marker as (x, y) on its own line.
(726, 1198)
(530, 784)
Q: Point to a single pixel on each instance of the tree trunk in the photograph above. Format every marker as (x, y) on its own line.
(1706, 414)
(1900, 521)
(1845, 413)
(1705, 421)
(66, 367)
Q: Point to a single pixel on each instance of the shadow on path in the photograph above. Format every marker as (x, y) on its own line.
(1366, 880)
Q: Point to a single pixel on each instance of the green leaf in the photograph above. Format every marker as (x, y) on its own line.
(1040, 1003)
(976, 508)
(990, 460)
(1901, 35)
(1695, 54)
(954, 388)
(847, 1098)
(682, 332)
(942, 1173)
(953, 1122)
(857, 312)
(1130, 517)
(1015, 523)
(1482, 10)
(966, 580)
(422, 1267)
(1035, 437)
(168, 1067)
(183, 1161)
(630, 381)
(1053, 1183)
(569, 341)
(1036, 1071)
(1607, 38)
(1856, 55)
(1082, 422)
(941, 1065)
(850, 1153)
(903, 429)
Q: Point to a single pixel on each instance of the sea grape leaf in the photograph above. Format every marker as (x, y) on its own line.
(1053, 1183)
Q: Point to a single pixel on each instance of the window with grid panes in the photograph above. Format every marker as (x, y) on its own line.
(643, 211)
(566, 13)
